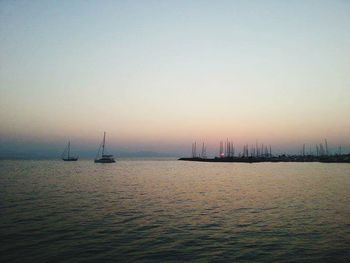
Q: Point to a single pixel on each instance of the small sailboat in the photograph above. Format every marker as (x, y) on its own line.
(104, 158)
(66, 155)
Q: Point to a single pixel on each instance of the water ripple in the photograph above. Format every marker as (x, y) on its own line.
(159, 211)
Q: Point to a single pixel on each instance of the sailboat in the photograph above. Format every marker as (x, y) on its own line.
(66, 155)
(104, 158)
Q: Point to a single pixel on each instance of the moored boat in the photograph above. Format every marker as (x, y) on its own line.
(104, 158)
(66, 155)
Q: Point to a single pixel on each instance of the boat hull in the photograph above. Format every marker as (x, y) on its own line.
(70, 159)
(105, 161)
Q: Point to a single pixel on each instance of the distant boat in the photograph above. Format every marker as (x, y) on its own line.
(104, 158)
(66, 155)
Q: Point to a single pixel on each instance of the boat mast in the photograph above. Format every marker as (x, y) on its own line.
(103, 144)
(68, 148)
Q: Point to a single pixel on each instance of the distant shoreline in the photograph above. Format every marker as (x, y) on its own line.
(87, 158)
(344, 158)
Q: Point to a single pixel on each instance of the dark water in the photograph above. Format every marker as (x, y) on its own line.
(156, 211)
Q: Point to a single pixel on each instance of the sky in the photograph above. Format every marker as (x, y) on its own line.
(158, 75)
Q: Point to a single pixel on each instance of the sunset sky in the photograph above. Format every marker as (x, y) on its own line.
(157, 75)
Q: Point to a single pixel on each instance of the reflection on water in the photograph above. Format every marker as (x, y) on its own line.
(168, 210)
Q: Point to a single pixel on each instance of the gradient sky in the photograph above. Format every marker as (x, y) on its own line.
(157, 75)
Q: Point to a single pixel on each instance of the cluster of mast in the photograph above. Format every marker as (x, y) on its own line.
(321, 150)
(194, 151)
(228, 149)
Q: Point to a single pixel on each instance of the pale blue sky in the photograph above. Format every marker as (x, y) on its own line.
(160, 74)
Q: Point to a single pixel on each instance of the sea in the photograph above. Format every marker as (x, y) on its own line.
(164, 210)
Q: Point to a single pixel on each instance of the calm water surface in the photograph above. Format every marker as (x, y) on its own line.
(168, 210)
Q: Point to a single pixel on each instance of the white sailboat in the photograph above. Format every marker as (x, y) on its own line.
(104, 158)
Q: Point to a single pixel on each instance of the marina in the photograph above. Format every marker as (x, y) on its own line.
(259, 154)
(344, 158)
